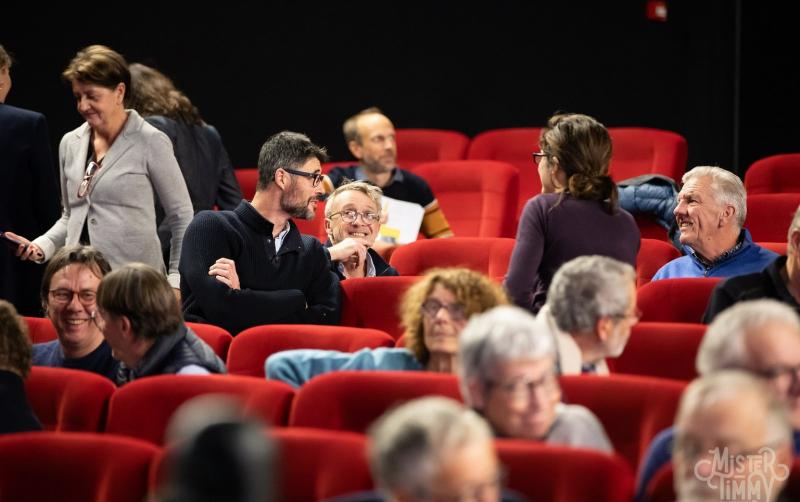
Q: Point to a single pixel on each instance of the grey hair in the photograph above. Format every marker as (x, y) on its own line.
(726, 187)
(409, 443)
(732, 385)
(588, 288)
(374, 192)
(494, 338)
(793, 227)
(723, 345)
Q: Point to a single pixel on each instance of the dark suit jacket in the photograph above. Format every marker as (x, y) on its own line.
(29, 199)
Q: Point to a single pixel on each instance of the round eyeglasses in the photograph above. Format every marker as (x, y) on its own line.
(350, 216)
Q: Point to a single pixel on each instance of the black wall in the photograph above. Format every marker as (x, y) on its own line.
(259, 69)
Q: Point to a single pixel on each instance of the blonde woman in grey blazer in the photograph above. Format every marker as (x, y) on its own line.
(112, 168)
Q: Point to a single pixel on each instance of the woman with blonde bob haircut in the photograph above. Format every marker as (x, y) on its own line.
(433, 312)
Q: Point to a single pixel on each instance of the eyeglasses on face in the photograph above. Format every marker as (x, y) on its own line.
(524, 388)
(314, 177)
(432, 307)
(63, 296)
(350, 216)
(538, 156)
(86, 185)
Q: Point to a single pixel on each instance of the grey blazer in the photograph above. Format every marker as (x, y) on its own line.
(121, 207)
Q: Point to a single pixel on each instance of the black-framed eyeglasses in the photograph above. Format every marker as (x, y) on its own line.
(350, 216)
(86, 185)
(314, 177)
(538, 156)
(432, 307)
(85, 296)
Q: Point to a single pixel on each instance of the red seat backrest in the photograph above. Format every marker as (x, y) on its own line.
(632, 409)
(769, 215)
(217, 338)
(642, 150)
(252, 346)
(661, 349)
(352, 400)
(248, 179)
(487, 255)
(143, 408)
(74, 467)
(373, 302)
(775, 247)
(67, 400)
(40, 329)
(774, 174)
(564, 474)
(476, 196)
(515, 146)
(415, 146)
(310, 464)
(675, 300)
(653, 254)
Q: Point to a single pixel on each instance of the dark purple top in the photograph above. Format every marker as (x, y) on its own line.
(550, 236)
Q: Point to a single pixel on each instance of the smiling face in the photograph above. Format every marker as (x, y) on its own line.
(72, 319)
(775, 353)
(522, 398)
(699, 216)
(442, 327)
(376, 148)
(98, 105)
(338, 229)
(300, 197)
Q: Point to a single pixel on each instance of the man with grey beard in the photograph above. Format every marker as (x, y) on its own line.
(251, 266)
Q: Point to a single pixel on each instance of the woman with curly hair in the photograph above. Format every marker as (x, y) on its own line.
(433, 311)
(576, 214)
(15, 364)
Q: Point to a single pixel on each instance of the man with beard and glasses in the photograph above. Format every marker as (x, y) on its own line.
(251, 266)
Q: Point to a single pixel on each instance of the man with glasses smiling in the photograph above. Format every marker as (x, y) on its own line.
(352, 220)
(69, 299)
(251, 266)
(508, 375)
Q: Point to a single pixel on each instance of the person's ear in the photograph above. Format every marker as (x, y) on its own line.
(355, 148)
(476, 394)
(120, 92)
(125, 326)
(728, 213)
(282, 179)
(604, 328)
(794, 242)
(329, 229)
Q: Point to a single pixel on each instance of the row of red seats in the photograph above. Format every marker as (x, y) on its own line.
(633, 409)
(478, 198)
(314, 465)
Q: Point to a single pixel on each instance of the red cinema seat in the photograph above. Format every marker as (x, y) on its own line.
(252, 346)
(248, 179)
(40, 329)
(769, 215)
(774, 174)
(476, 196)
(143, 408)
(564, 474)
(642, 150)
(314, 227)
(373, 302)
(74, 467)
(675, 300)
(415, 146)
(632, 409)
(775, 247)
(653, 254)
(217, 338)
(67, 400)
(514, 146)
(661, 349)
(487, 255)
(352, 400)
(311, 464)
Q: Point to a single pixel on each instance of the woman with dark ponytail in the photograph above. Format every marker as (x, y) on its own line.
(577, 212)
